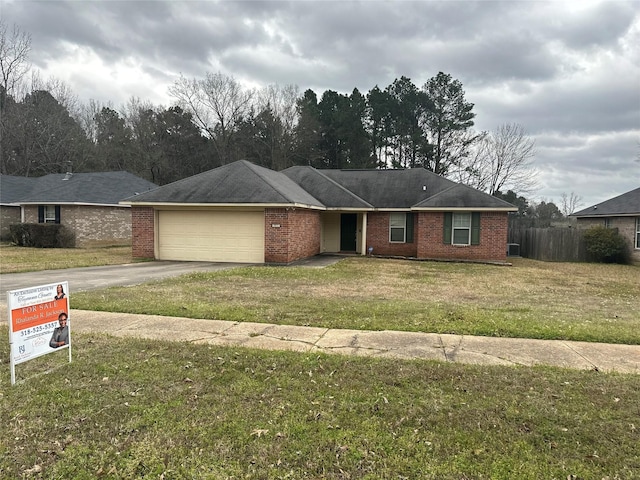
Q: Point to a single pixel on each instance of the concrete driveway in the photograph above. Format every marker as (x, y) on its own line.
(90, 278)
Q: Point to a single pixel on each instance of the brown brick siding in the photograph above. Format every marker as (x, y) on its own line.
(296, 237)
(92, 225)
(8, 216)
(493, 238)
(626, 227)
(428, 238)
(142, 235)
(294, 234)
(378, 237)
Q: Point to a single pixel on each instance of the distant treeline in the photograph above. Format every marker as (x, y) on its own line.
(215, 121)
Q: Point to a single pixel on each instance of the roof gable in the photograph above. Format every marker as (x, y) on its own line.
(626, 204)
(464, 196)
(326, 190)
(240, 182)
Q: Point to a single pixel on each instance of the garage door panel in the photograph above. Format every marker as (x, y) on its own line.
(211, 236)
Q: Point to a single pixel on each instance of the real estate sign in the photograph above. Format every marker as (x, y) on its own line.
(38, 322)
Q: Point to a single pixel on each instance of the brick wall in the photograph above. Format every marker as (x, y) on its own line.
(493, 238)
(626, 227)
(142, 235)
(92, 225)
(8, 216)
(378, 237)
(290, 234)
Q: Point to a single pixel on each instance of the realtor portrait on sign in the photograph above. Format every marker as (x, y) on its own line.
(39, 321)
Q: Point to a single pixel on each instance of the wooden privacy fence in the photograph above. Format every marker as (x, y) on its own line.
(550, 244)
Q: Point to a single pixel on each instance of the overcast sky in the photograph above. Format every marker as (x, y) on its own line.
(568, 72)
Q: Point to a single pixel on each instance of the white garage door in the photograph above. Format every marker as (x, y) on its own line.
(211, 236)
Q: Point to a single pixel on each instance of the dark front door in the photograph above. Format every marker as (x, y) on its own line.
(348, 229)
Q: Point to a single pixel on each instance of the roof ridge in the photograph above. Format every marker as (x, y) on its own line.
(253, 167)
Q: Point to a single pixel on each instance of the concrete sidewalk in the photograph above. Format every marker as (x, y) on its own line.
(389, 344)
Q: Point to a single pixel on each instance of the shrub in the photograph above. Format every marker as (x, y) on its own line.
(42, 235)
(606, 245)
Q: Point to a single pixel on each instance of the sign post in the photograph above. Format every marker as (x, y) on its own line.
(38, 322)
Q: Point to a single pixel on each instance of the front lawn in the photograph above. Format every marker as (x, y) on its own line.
(25, 259)
(134, 409)
(531, 299)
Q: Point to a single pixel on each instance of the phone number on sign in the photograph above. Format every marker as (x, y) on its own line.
(38, 329)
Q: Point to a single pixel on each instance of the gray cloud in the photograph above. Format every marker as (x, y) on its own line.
(567, 71)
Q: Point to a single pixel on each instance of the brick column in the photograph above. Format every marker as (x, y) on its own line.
(142, 232)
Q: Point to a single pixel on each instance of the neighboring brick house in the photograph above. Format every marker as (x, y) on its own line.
(86, 203)
(621, 212)
(241, 212)
(11, 188)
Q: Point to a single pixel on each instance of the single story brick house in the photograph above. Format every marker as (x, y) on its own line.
(245, 213)
(621, 212)
(86, 203)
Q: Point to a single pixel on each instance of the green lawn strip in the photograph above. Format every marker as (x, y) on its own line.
(128, 408)
(298, 296)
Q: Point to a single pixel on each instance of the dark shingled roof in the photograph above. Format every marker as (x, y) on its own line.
(328, 191)
(625, 204)
(390, 188)
(463, 196)
(243, 182)
(239, 182)
(100, 188)
(12, 188)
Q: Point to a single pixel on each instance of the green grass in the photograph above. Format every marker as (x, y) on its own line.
(129, 409)
(24, 259)
(585, 302)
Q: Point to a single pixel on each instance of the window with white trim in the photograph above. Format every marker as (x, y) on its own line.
(398, 227)
(49, 214)
(638, 232)
(461, 229)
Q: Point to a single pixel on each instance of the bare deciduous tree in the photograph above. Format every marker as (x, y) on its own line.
(502, 159)
(15, 46)
(218, 103)
(570, 203)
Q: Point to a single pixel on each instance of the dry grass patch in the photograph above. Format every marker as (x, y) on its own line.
(25, 259)
(531, 299)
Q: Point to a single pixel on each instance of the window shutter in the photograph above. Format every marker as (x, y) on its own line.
(475, 228)
(410, 223)
(57, 213)
(448, 220)
(40, 213)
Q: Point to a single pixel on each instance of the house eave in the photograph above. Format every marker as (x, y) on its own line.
(76, 204)
(604, 215)
(464, 209)
(164, 205)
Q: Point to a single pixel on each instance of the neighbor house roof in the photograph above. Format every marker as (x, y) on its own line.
(236, 183)
(98, 188)
(625, 204)
(242, 182)
(12, 187)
